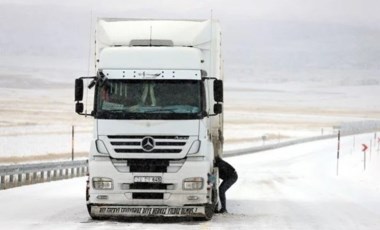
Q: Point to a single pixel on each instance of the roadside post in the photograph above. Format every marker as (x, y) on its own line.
(264, 138)
(374, 140)
(337, 155)
(365, 147)
(72, 142)
(370, 150)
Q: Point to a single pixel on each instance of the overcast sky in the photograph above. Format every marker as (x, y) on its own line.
(265, 35)
(354, 12)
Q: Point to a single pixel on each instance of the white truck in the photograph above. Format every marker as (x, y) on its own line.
(158, 118)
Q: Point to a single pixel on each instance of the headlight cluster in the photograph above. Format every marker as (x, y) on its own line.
(193, 183)
(102, 183)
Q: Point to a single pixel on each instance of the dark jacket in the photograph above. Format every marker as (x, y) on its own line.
(225, 170)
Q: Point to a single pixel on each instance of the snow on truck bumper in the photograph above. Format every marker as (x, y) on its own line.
(164, 199)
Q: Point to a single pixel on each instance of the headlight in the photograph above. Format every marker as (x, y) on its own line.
(102, 183)
(101, 147)
(195, 147)
(193, 183)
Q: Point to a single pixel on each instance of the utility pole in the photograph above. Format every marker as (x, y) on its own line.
(72, 142)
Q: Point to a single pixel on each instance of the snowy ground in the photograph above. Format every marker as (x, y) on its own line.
(293, 188)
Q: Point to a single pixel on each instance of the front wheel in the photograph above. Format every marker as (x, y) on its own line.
(88, 202)
(211, 208)
(209, 211)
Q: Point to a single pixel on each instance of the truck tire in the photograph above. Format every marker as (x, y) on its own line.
(209, 211)
(210, 208)
(87, 202)
(93, 216)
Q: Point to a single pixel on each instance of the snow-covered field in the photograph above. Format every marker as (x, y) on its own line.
(294, 188)
(35, 123)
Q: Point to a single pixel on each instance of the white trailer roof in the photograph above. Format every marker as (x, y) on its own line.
(204, 35)
(120, 32)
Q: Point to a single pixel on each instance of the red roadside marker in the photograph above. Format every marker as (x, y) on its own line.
(365, 147)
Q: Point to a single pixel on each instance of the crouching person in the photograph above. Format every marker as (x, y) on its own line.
(229, 176)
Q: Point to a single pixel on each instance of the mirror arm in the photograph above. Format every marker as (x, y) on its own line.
(212, 115)
(88, 77)
(85, 114)
(215, 114)
(209, 78)
(92, 83)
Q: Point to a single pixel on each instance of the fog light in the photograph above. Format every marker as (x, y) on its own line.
(193, 183)
(102, 183)
(170, 187)
(102, 197)
(124, 186)
(193, 198)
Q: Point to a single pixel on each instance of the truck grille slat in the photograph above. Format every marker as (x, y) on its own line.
(142, 136)
(157, 143)
(125, 143)
(170, 143)
(153, 151)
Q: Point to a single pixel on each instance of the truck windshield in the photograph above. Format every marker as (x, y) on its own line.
(149, 99)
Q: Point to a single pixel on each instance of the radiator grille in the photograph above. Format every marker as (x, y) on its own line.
(148, 144)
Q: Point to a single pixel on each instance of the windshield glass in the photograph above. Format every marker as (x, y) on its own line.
(149, 99)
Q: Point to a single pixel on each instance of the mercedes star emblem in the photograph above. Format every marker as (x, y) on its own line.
(147, 144)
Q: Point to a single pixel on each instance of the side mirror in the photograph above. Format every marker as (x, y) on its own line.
(218, 90)
(78, 89)
(79, 107)
(218, 108)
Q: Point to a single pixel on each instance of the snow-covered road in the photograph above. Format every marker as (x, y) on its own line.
(289, 188)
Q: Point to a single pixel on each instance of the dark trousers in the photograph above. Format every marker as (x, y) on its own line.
(226, 184)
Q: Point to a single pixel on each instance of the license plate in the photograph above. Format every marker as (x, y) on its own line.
(148, 179)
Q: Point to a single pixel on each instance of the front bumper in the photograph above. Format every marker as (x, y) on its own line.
(146, 211)
(171, 198)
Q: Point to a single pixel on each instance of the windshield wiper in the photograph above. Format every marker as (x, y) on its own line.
(160, 110)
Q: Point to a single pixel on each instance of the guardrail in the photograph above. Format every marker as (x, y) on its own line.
(344, 132)
(257, 149)
(23, 174)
